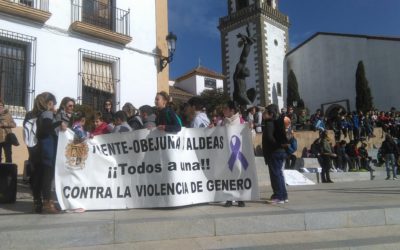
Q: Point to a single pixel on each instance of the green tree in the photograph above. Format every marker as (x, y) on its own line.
(292, 89)
(364, 99)
(214, 98)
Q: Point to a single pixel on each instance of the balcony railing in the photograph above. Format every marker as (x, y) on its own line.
(36, 4)
(37, 10)
(101, 15)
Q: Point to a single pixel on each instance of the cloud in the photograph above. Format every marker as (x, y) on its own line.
(196, 16)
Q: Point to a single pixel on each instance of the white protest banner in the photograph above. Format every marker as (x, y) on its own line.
(144, 169)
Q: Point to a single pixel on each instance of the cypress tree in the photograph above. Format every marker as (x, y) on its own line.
(292, 89)
(364, 99)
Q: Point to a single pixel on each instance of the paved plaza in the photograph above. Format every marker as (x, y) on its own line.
(339, 215)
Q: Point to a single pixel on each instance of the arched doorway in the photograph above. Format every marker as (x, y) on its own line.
(333, 111)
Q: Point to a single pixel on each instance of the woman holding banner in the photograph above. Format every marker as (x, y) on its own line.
(45, 156)
(167, 120)
(232, 117)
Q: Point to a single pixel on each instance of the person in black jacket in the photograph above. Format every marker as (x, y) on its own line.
(390, 152)
(326, 157)
(167, 120)
(274, 142)
(108, 113)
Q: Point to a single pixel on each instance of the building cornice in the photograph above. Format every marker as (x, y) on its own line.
(99, 32)
(24, 11)
(384, 38)
(253, 10)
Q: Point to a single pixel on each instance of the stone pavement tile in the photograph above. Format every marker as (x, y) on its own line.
(150, 245)
(31, 221)
(392, 216)
(259, 224)
(62, 236)
(381, 237)
(325, 220)
(160, 213)
(364, 218)
(163, 230)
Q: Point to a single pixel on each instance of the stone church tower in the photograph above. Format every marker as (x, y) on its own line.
(266, 58)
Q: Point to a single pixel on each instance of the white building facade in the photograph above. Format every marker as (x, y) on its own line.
(90, 50)
(266, 59)
(325, 67)
(200, 79)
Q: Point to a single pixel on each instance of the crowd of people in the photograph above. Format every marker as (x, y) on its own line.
(50, 121)
(352, 125)
(278, 141)
(348, 151)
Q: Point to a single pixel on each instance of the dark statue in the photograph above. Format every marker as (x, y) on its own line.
(241, 94)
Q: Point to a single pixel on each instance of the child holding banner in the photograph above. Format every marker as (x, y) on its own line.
(101, 127)
(79, 120)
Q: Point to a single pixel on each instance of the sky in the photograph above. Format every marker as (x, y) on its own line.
(195, 23)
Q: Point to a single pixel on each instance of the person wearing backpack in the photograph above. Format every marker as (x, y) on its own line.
(274, 144)
(167, 120)
(43, 155)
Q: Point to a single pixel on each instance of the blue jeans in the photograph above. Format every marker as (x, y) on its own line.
(390, 160)
(275, 167)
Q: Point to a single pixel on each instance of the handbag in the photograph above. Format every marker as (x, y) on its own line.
(12, 139)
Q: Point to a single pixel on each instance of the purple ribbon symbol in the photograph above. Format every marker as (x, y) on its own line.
(236, 154)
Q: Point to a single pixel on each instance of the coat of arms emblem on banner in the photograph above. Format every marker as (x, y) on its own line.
(76, 154)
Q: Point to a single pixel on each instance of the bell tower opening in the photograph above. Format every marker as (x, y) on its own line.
(272, 3)
(241, 4)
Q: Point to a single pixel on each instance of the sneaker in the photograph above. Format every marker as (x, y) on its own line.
(275, 201)
(394, 178)
(387, 178)
(286, 200)
(241, 204)
(228, 204)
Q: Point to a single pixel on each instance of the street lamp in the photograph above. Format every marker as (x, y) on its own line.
(171, 40)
